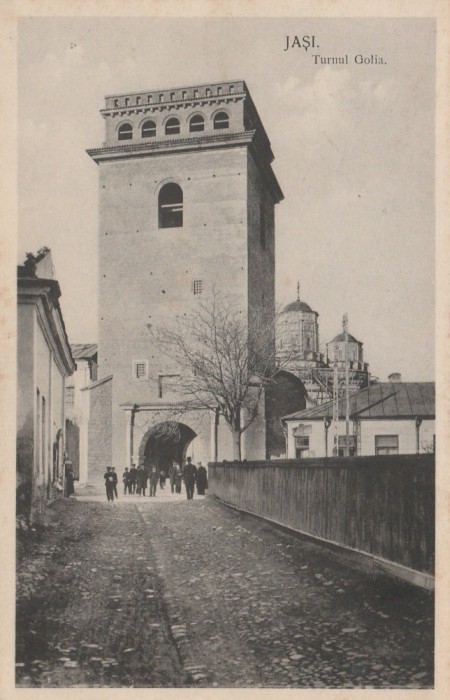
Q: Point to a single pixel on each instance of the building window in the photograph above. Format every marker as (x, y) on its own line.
(301, 446)
(172, 126)
(184, 94)
(172, 96)
(116, 103)
(168, 385)
(231, 89)
(127, 101)
(208, 92)
(149, 99)
(161, 98)
(70, 395)
(262, 225)
(197, 123)
(140, 369)
(351, 446)
(138, 100)
(219, 90)
(170, 206)
(148, 129)
(197, 286)
(125, 132)
(221, 120)
(386, 444)
(196, 94)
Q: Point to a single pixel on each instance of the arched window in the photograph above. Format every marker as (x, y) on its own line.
(170, 206)
(172, 126)
(148, 129)
(125, 132)
(221, 120)
(197, 123)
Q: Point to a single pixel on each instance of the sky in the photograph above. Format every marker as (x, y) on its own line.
(353, 146)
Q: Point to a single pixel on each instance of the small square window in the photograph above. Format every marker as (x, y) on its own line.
(197, 287)
(127, 101)
(161, 98)
(140, 369)
(70, 395)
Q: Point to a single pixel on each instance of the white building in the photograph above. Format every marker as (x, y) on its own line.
(392, 417)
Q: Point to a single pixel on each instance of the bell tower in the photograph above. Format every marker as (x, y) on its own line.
(187, 197)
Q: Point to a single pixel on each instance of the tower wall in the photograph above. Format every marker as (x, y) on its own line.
(146, 273)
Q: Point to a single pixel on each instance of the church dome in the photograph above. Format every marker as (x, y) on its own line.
(298, 305)
(341, 338)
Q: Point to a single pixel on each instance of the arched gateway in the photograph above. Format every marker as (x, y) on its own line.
(164, 443)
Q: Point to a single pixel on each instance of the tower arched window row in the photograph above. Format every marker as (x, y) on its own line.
(125, 132)
(170, 206)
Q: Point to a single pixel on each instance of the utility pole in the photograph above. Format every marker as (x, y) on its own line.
(335, 402)
(347, 409)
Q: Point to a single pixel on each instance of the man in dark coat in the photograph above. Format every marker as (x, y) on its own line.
(133, 471)
(202, 479)
(189, 476)
(153, 481)
(115, 482)
(109, 483)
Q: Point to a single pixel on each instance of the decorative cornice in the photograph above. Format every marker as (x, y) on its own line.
(171, 104)
(141, 149)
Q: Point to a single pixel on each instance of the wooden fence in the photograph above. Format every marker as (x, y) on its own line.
(382, 505)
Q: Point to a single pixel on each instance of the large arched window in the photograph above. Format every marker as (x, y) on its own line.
(148, 129)
(172, 126)
(170, 206)
(197, 123)
(221, 120)
(125, 132)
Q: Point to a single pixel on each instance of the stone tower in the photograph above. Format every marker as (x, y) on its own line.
(187, 197)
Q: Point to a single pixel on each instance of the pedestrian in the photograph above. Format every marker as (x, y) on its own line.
(126, 481)
(70, 478)
(178, 479)
(142, 478)
(115, 481)
(172, 475)
(109, 483)
(202, 479)
(189, 476)
(153, 481)
(162, 479)
(133, 471)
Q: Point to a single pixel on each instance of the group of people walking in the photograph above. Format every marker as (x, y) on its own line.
(136, 479)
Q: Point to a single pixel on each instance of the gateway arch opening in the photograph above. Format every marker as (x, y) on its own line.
(164, 444)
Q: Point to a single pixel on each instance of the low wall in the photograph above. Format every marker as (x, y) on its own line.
(383, 506)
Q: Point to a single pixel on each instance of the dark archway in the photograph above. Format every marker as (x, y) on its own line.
(165, 443)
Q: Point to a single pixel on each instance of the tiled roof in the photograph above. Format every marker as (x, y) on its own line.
(83, 350)
(383, 400)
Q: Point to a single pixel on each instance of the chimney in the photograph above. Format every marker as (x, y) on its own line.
(395, 377)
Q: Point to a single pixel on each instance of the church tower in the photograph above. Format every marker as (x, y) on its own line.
(187, 197)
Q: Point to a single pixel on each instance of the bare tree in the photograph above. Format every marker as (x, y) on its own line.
(225, 360)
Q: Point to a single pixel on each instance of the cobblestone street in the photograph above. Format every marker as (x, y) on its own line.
(168, 592)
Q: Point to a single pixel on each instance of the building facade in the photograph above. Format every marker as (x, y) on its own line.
(392, 417)
(187, 198)
(44, 360)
